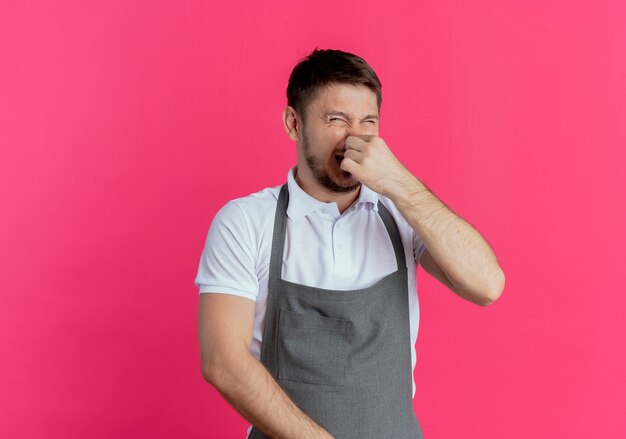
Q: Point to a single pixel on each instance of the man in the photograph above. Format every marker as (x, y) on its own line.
(310, 327)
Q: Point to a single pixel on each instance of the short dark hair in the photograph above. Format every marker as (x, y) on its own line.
(325, 67)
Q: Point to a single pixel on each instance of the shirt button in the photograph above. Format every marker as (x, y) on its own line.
(339, 246)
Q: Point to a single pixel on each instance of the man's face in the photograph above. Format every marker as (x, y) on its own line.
(338, 111)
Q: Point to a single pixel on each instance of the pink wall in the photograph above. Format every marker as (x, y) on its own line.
(123, 128)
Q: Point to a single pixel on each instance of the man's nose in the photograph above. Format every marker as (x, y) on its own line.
(360, 130)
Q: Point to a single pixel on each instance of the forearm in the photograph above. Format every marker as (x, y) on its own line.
(248, 386)
(458, 249)
(462, 253)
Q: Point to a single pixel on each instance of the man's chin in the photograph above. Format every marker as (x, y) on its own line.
(337, 180)
(345, 179)
(346, 184)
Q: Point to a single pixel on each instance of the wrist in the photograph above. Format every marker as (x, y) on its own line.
(403, 189)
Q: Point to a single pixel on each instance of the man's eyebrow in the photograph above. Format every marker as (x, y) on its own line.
(344, 115)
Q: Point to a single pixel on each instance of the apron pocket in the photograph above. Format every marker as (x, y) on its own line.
(312, 348)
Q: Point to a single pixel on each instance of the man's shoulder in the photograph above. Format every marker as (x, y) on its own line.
(258, 201)
(252, 208)
(396, 214)
(391, 207)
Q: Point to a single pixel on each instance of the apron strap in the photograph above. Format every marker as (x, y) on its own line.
(278, 240)
(394, 235)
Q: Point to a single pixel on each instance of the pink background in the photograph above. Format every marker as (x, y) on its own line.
(124, 127)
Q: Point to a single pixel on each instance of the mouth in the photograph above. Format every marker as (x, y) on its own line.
(339, 158)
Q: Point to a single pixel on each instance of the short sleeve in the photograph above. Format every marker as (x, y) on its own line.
(418, 247)
(227, 262)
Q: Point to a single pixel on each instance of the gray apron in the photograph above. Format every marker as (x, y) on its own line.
(343, 357)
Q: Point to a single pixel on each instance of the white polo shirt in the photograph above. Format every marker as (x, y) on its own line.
(323, 249)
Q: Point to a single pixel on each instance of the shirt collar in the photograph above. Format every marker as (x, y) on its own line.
(302, 204)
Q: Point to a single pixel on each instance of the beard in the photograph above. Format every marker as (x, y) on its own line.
(331, 178)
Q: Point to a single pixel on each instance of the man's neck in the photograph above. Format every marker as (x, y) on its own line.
(343, 199)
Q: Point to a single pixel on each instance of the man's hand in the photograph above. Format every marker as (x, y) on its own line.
(369, 160)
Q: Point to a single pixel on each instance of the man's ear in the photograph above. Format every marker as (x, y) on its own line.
(291, 123)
